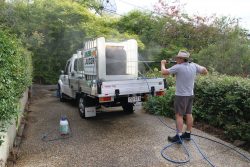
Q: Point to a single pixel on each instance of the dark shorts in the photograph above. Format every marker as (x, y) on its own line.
(183, 104)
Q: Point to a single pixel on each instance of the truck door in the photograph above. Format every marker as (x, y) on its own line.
(73, 76)
(65, 79)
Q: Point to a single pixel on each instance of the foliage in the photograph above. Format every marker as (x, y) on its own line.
(211, 40)
(15, 76)
(137, 22)
(165, 32)
(224, 101)
(107, 28)
(220, 100)
(162, 105)
(54, 30)
(92, 4)
(230, 55)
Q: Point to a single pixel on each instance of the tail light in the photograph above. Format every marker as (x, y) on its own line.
(161, 93)
(105, 99)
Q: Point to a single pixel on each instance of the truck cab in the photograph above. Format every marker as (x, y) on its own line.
(73, 71)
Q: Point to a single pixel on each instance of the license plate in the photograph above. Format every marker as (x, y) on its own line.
(134, 99)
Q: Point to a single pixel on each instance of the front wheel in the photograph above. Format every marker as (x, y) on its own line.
(60, 94)
(81, 106)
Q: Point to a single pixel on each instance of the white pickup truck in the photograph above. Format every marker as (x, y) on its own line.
(106, 73)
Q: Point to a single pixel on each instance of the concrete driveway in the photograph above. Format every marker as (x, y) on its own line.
(110, 139)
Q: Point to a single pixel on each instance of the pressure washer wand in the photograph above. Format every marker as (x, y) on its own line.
(169, 62)
(118, 61)
(172, 62)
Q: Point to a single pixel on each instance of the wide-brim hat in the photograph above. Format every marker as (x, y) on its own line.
(183, 54)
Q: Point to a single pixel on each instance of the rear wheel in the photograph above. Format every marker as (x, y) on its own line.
(128, 107)
(81, 106)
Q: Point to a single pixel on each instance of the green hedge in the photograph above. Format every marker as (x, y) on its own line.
(220, 100)
(224, 101)
(15, 76)
(161, 105)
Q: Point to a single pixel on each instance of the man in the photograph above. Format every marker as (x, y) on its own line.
(185, 73)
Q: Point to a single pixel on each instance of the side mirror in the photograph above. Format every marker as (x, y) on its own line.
(62, 72)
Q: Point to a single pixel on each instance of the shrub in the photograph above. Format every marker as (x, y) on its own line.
(15, 76)
(224, 101)
(162, 105)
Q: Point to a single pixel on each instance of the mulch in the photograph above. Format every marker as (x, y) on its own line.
(219, 133)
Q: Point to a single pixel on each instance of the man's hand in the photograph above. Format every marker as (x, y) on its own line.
(204, 71)
(164, 62)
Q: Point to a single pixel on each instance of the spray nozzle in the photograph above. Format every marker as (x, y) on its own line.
(63, 118)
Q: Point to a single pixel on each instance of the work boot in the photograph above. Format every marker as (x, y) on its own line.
(186, 136)
(175, 138)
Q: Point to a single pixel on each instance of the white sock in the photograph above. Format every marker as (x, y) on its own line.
(179, 134)
(188, 131)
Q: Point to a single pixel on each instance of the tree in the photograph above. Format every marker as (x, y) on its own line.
(168, 29)
(54, 30)
(230, 55)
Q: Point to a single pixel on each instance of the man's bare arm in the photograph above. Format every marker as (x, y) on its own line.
(164, 71)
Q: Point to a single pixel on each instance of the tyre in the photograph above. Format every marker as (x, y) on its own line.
(128, 107)
(81, 106)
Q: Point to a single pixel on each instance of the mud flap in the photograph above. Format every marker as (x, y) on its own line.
(90, 111)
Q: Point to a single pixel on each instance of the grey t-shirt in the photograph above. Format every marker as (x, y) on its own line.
(185, 77)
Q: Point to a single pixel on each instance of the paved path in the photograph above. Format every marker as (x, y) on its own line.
(111, 139)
